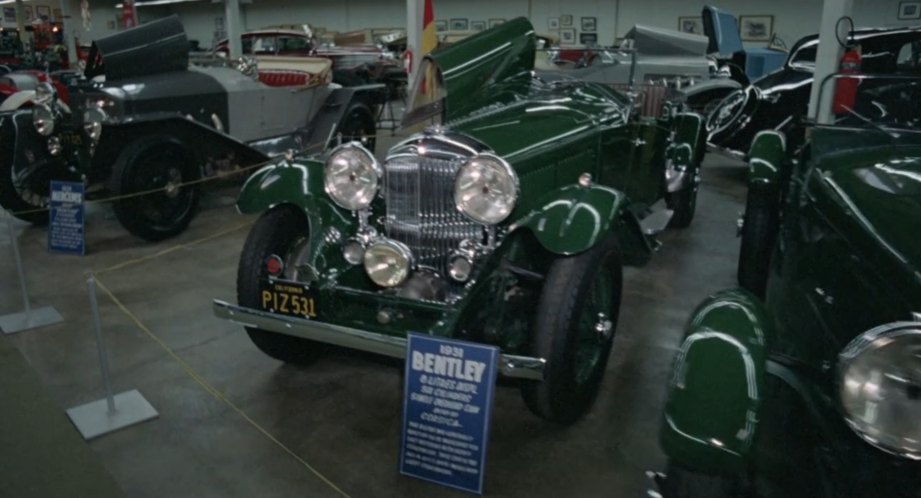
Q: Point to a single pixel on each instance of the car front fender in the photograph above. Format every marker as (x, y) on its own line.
(717, 385)
(767, 156)
(684, 152)
(573, 218)
(283, 182)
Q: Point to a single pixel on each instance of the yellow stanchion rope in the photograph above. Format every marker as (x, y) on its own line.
(213, 391)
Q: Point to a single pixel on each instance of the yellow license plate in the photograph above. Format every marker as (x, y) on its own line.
(288, 298)
(73, 139)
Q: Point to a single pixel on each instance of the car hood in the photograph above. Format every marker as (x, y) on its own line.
(474, 69)
(156, 47)
(880, 190)
(544, 118)
(648, 40)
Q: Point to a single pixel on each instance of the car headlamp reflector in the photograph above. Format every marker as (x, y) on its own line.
(92, 122)
(880, 387)
(387, 262)
(44, 94)
(486, 189)
(43, 119)
(352, 176)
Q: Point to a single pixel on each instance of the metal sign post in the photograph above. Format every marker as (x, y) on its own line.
(28, 318)
(113, 412)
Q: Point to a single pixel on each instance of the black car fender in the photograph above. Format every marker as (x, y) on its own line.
(324, 124)
(202, 141)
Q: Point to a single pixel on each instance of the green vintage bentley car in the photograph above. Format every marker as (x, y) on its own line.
(505, 220)
(814, 390)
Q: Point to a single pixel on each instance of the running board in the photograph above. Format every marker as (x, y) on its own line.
(657, 219)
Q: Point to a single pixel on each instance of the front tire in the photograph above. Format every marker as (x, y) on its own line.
(682, 483)
(23, 193)
(277, 232)
(574, 329)
(162, 165)
(759, 231)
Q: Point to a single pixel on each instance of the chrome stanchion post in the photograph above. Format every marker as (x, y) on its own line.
(28, 318)
(100, 345)
(114, 412)
(22, 276)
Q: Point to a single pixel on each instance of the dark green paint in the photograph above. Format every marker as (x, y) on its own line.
(574, 218)
(550, 135)
(767, 157)
(715, 391)
(847, 259)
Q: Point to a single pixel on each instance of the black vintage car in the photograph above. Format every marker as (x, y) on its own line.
(780, 100)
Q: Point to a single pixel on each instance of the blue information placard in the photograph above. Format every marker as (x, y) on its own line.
(66, 228)
(447, 404)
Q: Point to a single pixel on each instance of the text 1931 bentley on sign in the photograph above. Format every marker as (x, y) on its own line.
(506, 222)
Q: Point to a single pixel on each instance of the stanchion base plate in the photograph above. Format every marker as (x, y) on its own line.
(93, 419)
(39, 317)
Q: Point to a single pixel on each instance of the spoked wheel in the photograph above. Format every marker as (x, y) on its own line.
(358, 125)
(279, 234)
(155, 173)
(24, 191)
(573, 331)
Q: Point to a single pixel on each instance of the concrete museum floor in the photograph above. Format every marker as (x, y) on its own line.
(235, 423)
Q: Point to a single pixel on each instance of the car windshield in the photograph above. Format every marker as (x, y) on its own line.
(427, 98)
(885, 103)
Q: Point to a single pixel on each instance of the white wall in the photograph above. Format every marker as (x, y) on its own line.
(792, 18)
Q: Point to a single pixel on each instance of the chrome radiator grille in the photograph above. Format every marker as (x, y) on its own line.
(421, 213)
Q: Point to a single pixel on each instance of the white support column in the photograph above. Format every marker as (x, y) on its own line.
(234, 28)
(414, 13)
(67, 32)
(828, 56)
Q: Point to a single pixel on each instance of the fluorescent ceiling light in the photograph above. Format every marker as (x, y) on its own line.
(143, 4)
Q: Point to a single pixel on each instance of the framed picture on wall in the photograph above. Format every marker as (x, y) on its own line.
(553, 23)
(477, 25)
(9, 14)
(909, 10)
(27, 13)
(589, 24)
(588, 38)
(566, 20)
(43, 12)
(495, 22)
(691, 24)
(756, 28)
(568, 36)
(441, 25)
(459, 24)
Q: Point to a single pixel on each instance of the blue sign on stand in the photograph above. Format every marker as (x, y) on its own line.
(66, 229)
(447, 404)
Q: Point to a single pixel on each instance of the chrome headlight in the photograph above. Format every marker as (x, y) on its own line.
(486, 189)
(880, 387)
(92, 122)
(352, 176)
(44, 94)
(387, 262)
(43, 119)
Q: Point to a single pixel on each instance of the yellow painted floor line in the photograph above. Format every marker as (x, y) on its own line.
(210, 389)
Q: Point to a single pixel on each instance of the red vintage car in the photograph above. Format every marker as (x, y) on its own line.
(16, 87)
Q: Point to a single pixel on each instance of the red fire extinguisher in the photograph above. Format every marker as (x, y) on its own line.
(846, 88)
